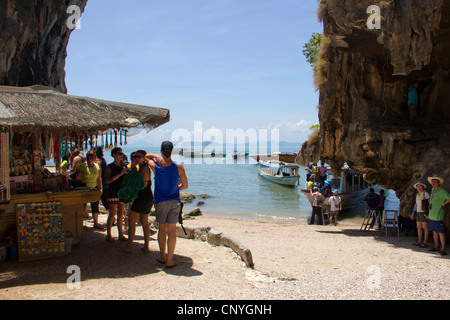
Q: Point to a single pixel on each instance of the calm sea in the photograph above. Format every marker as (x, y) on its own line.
(238, 191)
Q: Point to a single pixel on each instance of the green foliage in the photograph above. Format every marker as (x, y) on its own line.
(311, 49)
(316, 126)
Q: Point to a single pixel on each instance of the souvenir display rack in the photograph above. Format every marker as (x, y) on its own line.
(40, 231)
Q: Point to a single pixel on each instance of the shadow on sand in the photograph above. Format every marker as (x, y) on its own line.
(97, 259)
(402, 241)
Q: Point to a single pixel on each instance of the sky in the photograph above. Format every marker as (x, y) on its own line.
(224, 64)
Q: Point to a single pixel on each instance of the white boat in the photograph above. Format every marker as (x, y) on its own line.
(351, 187)
(282, 173)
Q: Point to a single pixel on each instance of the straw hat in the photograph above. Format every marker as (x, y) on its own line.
(420, 183)
(435, 177)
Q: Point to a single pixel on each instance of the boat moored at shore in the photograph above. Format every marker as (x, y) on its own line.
(351, 187)
(279, 172)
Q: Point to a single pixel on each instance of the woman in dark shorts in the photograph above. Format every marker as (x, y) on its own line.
(142, 204)
(115, 172)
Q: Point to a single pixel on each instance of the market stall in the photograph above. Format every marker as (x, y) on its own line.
(39, 209)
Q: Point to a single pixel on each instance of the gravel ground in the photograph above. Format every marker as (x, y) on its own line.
(293, 261)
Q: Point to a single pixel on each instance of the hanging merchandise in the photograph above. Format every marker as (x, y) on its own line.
(106, 141)
(111, 141)
(51, 146)
(85, 143)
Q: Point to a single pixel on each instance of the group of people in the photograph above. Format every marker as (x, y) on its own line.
(121, 182)
(329, 199)
(315, 174)
(429, 214)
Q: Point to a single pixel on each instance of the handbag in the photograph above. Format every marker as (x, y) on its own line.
(426, 205)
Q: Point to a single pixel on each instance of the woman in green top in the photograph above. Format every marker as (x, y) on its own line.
(438, 200)
(92, 177)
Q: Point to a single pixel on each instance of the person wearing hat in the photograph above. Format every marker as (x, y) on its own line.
(420, 214)
(336, 206)
(167, 199)
(439, 198)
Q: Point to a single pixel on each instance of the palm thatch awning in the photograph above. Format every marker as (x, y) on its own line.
(43, 108)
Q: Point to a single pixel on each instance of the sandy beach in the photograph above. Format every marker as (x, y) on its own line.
(291, 261)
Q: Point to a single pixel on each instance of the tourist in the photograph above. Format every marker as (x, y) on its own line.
(380, 210)
(310, 185)
(114, 178)
(420, 214)
(142, 204)
(102, 163)
(167, 199)
(91, 177)
(76, 159)
(64, 167)
(308, 171)
(439, 198)
(315, 174)
(372, 200)
(316, 206)
(336, 206)
(413, 101)
(323, 172)
(326, 192)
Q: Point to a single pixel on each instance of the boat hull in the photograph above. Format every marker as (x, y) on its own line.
(285, 181)
(289, 158)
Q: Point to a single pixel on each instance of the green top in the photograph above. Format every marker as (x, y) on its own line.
(131, 185)
(438, 197)
(89, 175)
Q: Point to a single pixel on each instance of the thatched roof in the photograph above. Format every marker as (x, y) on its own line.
(38, 107)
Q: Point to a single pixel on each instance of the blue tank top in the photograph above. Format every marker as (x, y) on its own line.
(166, 183)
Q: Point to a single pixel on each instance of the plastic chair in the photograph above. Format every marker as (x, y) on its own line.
(390, 220)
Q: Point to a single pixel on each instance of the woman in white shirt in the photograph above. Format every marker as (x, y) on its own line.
(420, 213)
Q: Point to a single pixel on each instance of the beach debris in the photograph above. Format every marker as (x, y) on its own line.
(217, 238)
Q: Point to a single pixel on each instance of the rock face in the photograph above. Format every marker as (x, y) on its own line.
(33, 39)
(364, 74)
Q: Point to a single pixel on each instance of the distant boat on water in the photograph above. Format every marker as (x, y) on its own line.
(351, 187)
(288, 157)
(279, 172)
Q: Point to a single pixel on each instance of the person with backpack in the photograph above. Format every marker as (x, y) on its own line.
(143, 199)
(168, 175)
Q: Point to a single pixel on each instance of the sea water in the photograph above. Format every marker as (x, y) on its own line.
(237, 191)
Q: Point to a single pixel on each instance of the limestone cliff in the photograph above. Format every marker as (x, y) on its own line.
(33, 41)
(362, 78)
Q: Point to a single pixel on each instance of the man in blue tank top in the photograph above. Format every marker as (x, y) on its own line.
(168, 175)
